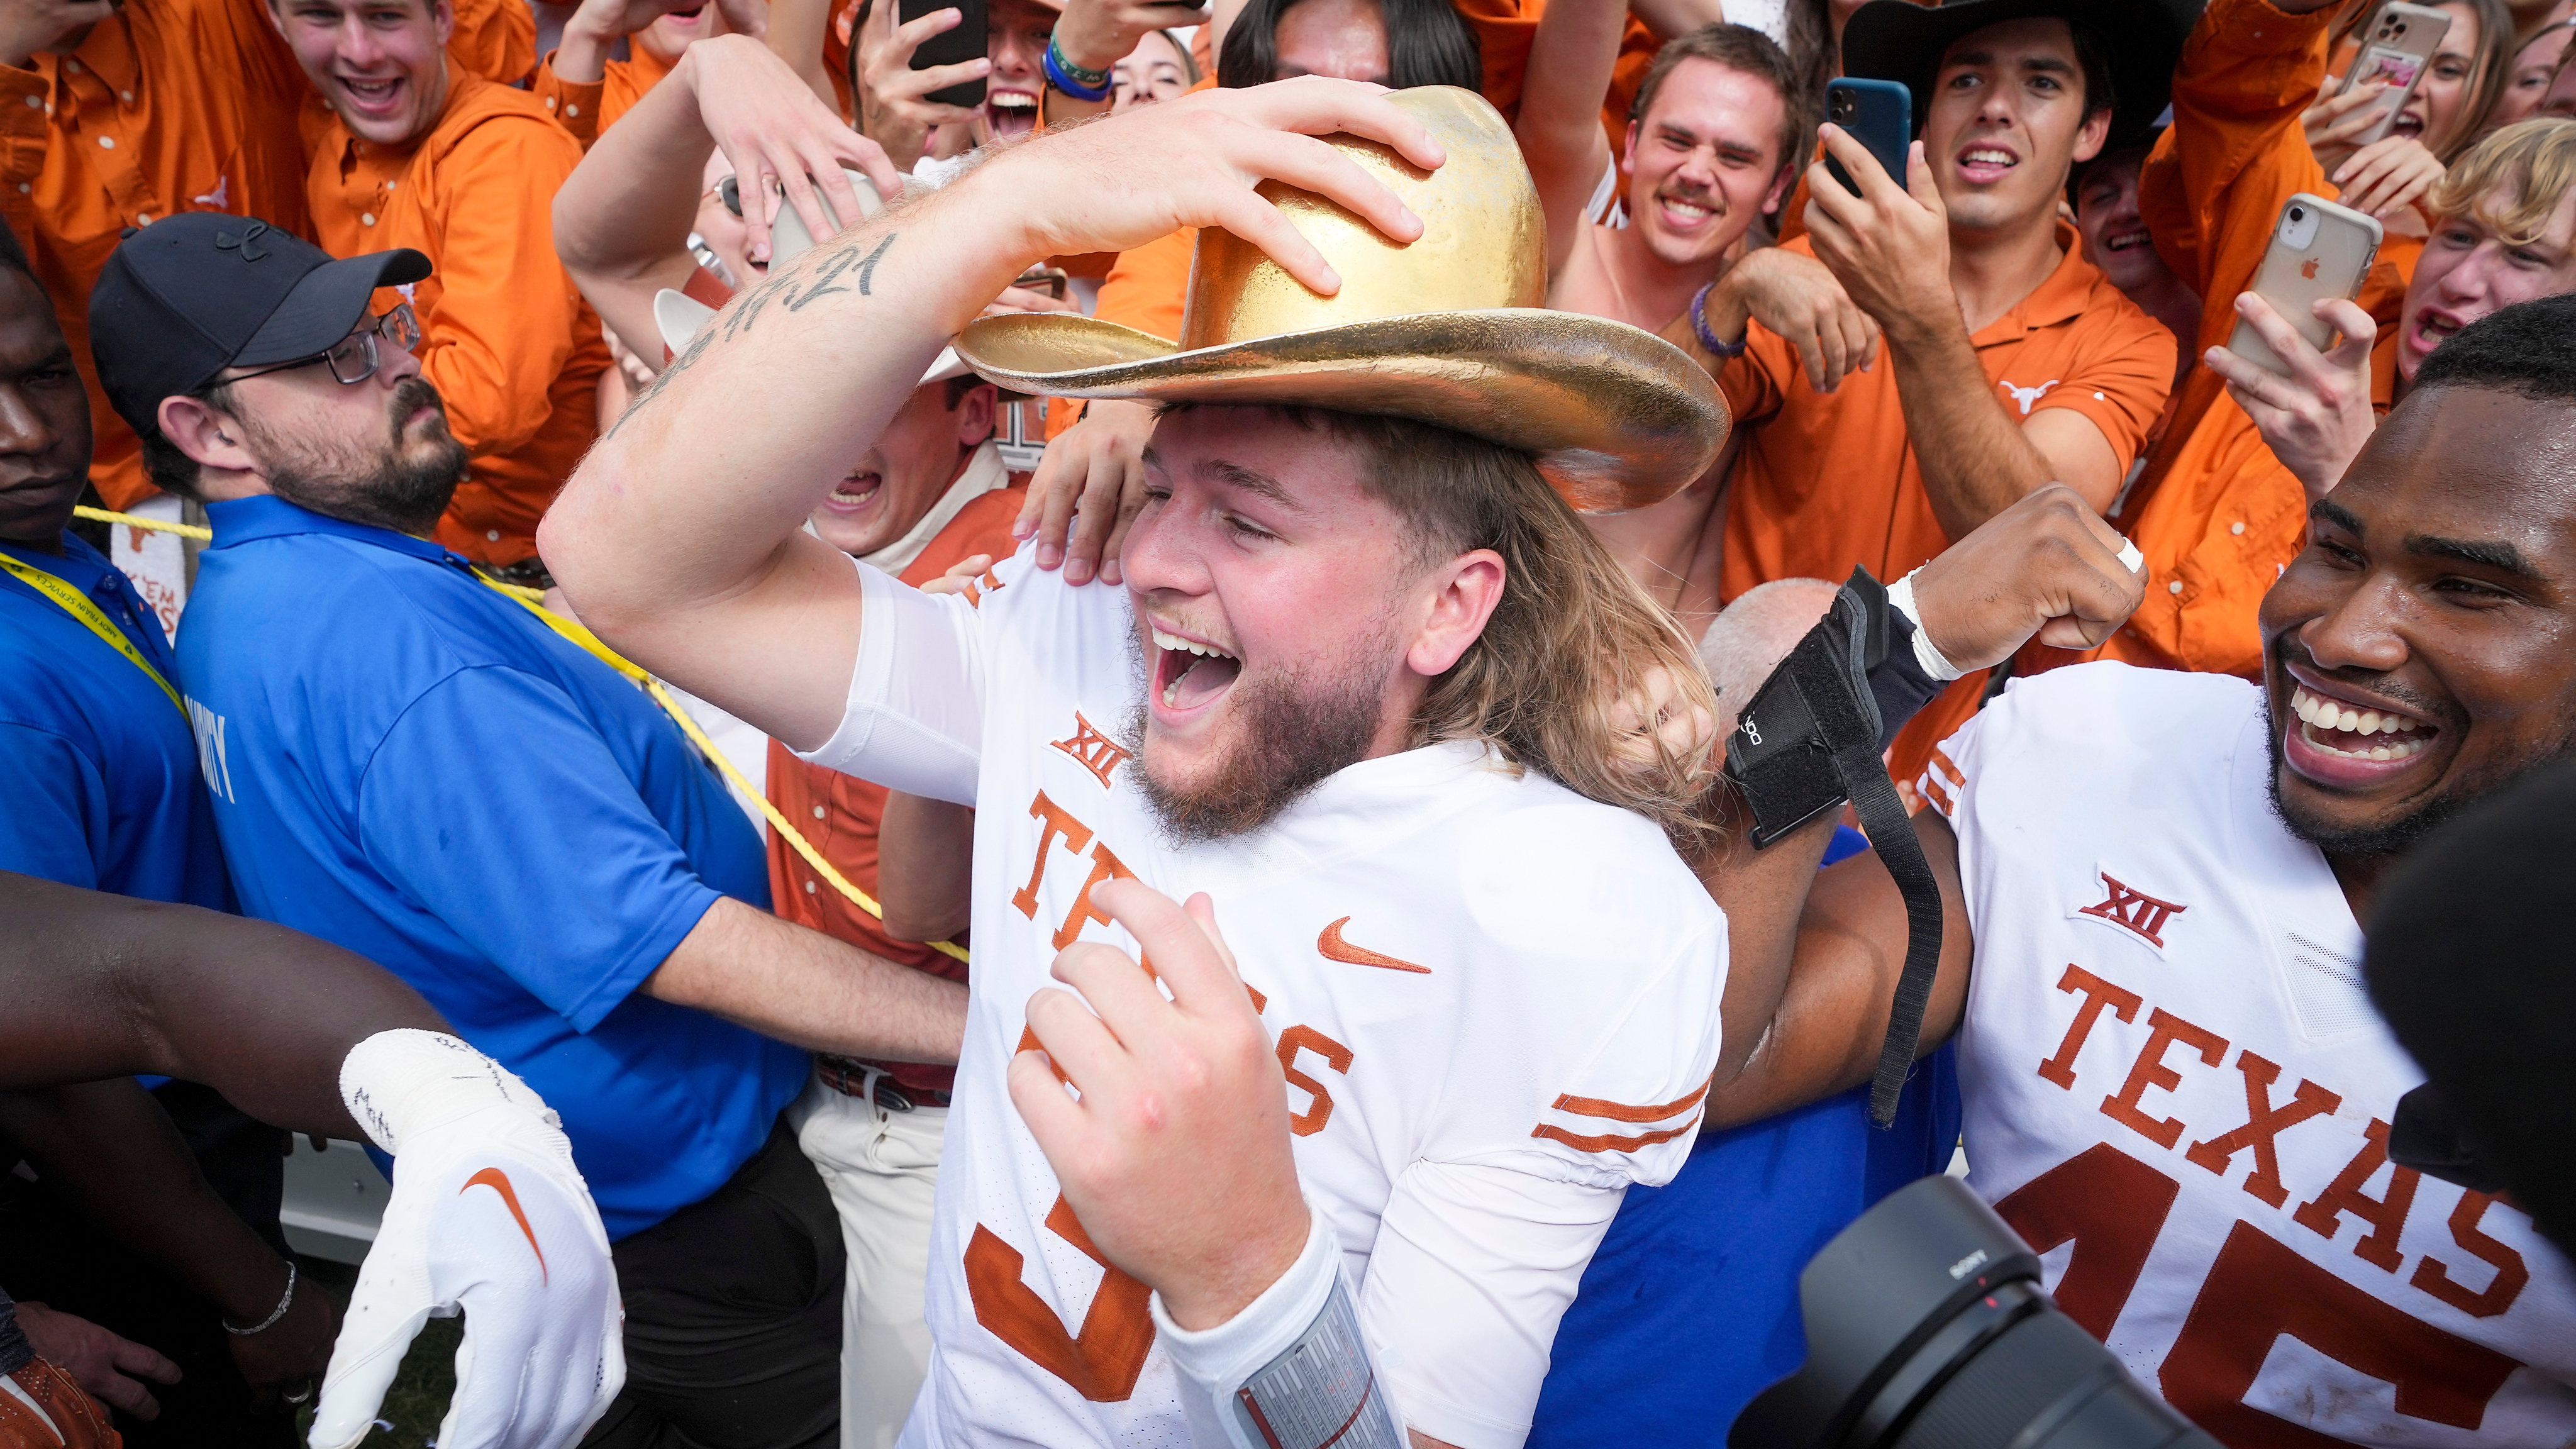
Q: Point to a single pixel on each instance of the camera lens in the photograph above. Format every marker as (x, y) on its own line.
(2298, 213)
(1926, 1329)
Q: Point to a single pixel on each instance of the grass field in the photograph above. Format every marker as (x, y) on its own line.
(418, 1398)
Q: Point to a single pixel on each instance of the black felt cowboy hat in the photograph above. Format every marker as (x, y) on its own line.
(2141, 39)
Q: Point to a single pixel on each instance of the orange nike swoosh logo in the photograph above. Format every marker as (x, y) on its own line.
(1337, 949)
(499, 1181)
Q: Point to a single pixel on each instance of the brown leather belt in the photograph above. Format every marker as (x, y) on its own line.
(850, 1079)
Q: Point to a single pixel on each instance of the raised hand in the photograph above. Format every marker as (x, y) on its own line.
(1196, 161)
(2046, 566)
(1089, 487)
(30, 26)
(2316, 419)
(893, 100)
(2335, 124)
(2388, 174)
(1888, 246)
(771, 126)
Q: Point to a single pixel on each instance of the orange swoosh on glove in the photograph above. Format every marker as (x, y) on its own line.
(499, 1181)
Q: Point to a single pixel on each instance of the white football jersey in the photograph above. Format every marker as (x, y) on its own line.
(1496, 1003)
(2178, 1091)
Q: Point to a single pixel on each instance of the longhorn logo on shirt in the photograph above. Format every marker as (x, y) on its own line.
(221, 198)
(2134, 911)
(2028, 397)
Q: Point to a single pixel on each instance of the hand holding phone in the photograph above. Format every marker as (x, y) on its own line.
(966, 40)
(2319, 250)
(1877, 113)
(2396, 48)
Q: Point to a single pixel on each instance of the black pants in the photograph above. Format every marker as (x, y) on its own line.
(49, 1253)
(733, 1316)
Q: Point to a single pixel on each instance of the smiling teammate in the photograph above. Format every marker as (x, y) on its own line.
(1334, 632)
(2176, 1087)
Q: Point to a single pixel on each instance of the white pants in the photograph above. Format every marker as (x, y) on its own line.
(883, 1169)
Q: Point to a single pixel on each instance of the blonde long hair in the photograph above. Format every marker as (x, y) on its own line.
(1572, 636)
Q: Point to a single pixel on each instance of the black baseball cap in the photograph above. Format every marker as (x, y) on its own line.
(193, 294)
(1900, 40)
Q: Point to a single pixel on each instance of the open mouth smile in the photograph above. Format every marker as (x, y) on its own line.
(1189, 674)
(2127, 241)
(372, 98)
(2347, 744)
(855, 492)
(1985, 163)
(1010, 112)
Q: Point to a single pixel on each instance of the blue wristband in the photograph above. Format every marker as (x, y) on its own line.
(1708, 339)
(1059, 74)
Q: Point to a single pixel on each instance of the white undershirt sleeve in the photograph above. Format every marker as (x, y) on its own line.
(1473, 1267)
(915, 717)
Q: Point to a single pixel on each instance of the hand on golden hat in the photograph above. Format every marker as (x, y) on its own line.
(1124, 181)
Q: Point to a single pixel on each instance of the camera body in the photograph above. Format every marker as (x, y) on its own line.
(1927, 1329)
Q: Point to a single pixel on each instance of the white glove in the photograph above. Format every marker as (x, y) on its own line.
(489, 1216)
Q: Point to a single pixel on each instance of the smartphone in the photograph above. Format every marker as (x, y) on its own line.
(2396, 47)
(962, 42)
(1880, 115)
(2318, 250)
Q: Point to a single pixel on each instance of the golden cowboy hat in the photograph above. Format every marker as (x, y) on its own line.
(1447, 330)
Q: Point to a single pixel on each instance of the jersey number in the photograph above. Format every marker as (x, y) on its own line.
(2111, 1206)
(1101, 1362)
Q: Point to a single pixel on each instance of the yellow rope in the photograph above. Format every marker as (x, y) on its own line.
(184, 530)
(534, 600)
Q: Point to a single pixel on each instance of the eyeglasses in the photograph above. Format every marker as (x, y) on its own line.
(356, 358)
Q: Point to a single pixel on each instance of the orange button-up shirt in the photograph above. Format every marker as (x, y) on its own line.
(586, 109)
(169, 106)
(1826, 481)
(505, 338)
(2215, 514)
(839, 814)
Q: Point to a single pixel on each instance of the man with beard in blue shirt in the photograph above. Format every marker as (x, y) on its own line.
(416, 765)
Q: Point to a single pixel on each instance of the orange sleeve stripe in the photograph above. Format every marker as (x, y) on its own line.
(1933, 792)
(1607, 1143)
(1622, 1112)
(1946, 766)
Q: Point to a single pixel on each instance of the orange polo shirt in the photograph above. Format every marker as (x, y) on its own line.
(588, 109)
(1825, 481)
(507, 340)
(838, 813)
(168, 106)
(2215, 514)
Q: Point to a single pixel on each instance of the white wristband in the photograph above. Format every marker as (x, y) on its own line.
(1900, 597)
(399, 1083)
(1290, 1371)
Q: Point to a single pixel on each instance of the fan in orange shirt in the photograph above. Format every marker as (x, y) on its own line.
(420, 154)
(581, 86)
(2006, 360)
(112, 117)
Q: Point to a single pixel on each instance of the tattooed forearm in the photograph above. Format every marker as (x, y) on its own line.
(819, 279)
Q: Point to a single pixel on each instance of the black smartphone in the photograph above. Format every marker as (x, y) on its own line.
(1880, 115)
(962, 42)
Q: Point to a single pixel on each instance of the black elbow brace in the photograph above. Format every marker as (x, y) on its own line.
(1813, 738)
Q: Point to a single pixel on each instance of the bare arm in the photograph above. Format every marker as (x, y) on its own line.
(102, 986)
(1560, 121)
(112, 1147)
(797, 30)
(801, 986)
(1890, 248)
(680, 537)
(1670, 19)
(1814, 957)
(925, 866)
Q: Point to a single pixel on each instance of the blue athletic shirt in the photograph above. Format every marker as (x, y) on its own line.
(99, 784)
(1690, 1306)
(413, 766)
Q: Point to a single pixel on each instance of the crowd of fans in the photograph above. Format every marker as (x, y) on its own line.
(390, 348)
